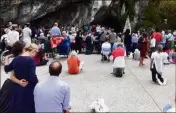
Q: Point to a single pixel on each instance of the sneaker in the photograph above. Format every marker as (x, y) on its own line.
(165, 82)
(159, 82)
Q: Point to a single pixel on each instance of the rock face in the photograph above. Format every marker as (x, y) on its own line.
(66, 12)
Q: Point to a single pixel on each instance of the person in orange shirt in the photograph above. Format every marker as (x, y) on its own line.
(74, 63)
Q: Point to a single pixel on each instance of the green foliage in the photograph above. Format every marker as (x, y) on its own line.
(156, 13)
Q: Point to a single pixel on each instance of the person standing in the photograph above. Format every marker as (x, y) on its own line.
(55, 31)
(143, 41)
(13, 36)
(78, 42)
(26, 34)
(170, 40)
(165, 35)
(158, 36)
(52, 94)
(156, 66)
(20, 99)
(152, 45)
(127, 42)
(134, 41)
(112, 38)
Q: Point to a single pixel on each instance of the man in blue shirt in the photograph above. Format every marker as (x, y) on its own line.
(55, 31)
(52, 95)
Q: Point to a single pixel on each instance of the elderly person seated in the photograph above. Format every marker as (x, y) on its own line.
(106, 50)
(74, 63)
(119, 60)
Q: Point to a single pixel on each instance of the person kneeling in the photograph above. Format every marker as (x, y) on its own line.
(106, 50)
(74, 63)
(156, 66)
(119, 61)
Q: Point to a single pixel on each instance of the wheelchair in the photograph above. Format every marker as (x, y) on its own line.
(5, 50)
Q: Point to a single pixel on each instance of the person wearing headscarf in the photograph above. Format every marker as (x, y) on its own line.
(74, 63)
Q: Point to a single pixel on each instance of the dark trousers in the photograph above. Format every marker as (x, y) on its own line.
(112, 46)
(152, 49)
(134, 46)
(42, 62)
(127, 46)
(72, 46)
(154, 73)
(105, 57)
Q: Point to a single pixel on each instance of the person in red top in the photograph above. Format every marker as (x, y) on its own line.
(119, 61)
(119, 51)
(74, 63)
(40, 58)
(158, 36)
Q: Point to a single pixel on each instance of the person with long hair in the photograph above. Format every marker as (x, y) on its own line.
(156, 66)
(14, 97)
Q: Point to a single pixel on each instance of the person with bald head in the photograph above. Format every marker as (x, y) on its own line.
(52, 94)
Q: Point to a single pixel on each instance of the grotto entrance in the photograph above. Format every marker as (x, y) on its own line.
(109, 21)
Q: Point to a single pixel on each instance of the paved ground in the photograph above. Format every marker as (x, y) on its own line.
(133, 92)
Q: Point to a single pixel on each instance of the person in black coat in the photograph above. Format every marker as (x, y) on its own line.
(127, 42)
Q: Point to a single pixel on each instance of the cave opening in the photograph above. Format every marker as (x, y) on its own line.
(109, 21)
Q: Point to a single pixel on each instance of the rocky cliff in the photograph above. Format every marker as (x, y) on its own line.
(66, 12)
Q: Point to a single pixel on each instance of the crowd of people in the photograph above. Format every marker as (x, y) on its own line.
(22, 92)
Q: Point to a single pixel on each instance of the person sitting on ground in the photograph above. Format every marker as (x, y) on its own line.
(156, 66)
(52, 95)
(74, 63)
(119, 58)
(106, 50)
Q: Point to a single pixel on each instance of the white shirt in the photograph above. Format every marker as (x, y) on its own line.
(106, 48)
(119, 62)
(153, 42)
(13, 36)
(98, 29)
(158, 61)
(165, 58)
(52, 95)
(27, 32)
(27, 35)
(170, 37)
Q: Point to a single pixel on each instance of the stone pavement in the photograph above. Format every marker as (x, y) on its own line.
(134, 92)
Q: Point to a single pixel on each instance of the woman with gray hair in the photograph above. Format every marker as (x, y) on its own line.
(74, 63)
